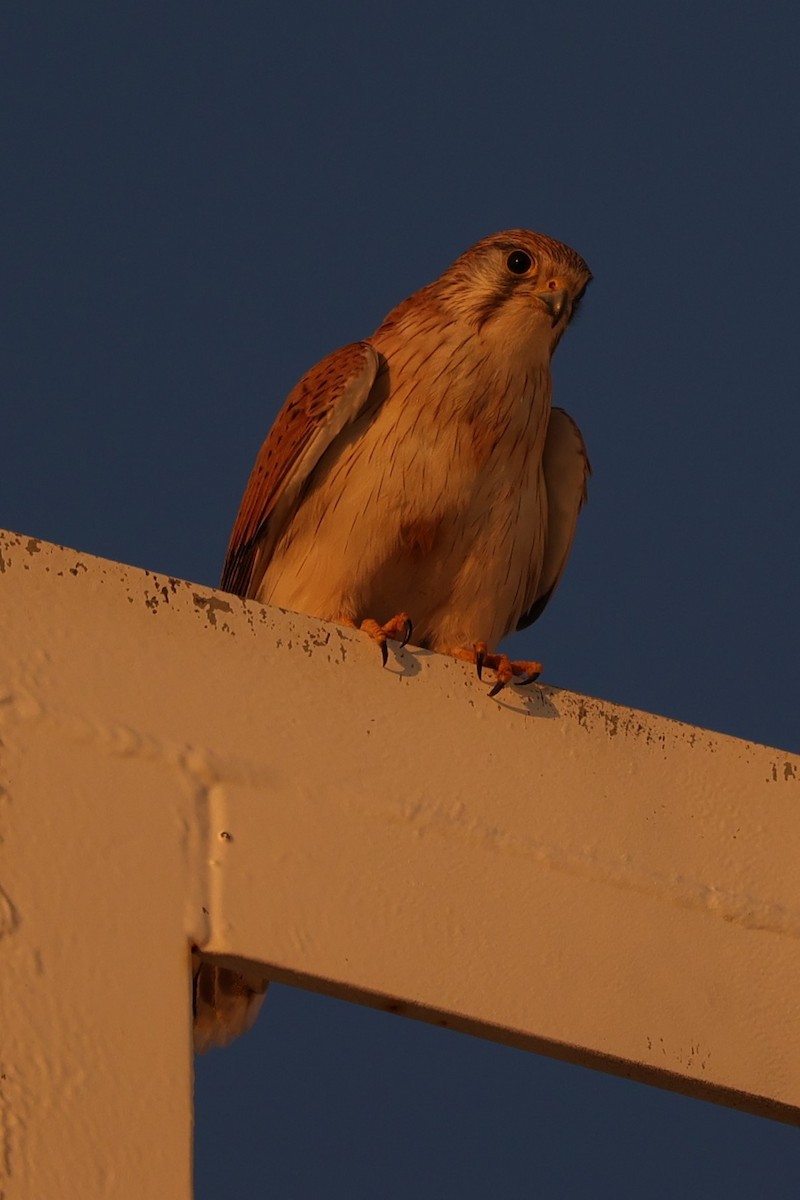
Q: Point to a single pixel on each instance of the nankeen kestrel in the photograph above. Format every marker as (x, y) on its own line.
(421, 480)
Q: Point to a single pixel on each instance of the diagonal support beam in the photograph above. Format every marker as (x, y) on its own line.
(552, 871)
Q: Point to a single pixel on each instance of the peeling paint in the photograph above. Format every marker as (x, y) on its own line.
(211, 605)
(785, 771)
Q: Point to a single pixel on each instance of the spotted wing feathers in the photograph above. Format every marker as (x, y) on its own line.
(328, 398)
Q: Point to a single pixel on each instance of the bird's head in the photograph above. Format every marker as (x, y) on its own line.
(517, 288)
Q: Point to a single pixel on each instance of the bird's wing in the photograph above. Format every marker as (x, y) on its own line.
(328, 398)
(566, 473)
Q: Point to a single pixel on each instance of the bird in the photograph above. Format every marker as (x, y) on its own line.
(420, 483)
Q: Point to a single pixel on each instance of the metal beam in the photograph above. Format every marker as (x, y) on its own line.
(566, 875)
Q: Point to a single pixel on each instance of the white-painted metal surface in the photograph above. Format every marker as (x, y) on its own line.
(181, 766)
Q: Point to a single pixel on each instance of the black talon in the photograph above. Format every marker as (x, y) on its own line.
(384, 653)
(498, 687)
(480, 655)
(408, 629)
(528, 679)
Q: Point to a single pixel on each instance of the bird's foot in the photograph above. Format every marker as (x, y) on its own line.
(399, 629)
(505, 668)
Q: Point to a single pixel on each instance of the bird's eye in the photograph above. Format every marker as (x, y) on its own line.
(518, 262)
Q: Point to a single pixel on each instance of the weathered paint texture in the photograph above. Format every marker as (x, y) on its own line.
(180, 766)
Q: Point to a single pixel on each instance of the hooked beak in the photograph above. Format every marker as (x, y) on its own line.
(555, 303)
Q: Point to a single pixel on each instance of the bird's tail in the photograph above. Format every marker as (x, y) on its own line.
(225, 1004)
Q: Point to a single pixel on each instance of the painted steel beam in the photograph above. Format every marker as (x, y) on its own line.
(182, 767)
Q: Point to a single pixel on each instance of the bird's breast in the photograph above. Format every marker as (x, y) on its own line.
(434, 506)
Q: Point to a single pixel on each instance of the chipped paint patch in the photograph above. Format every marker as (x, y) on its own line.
(211, 605)
(783, 771)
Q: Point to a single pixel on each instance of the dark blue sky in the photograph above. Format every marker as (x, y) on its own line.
(203, 199)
